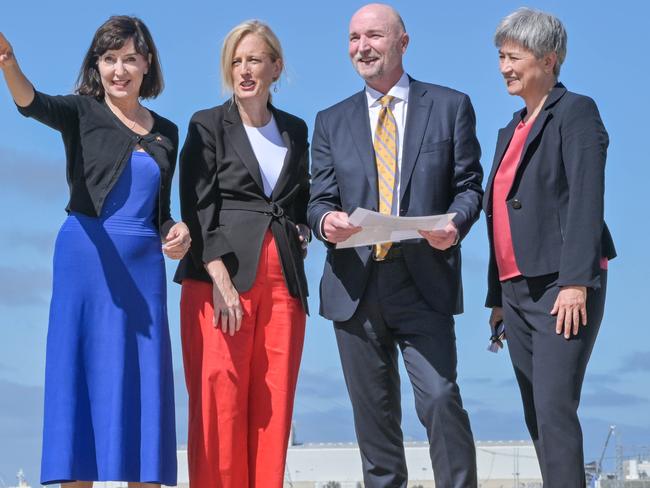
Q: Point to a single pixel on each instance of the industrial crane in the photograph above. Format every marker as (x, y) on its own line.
(599, 466)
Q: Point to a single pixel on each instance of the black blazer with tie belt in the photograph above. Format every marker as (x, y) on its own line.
(223, 200)
(555, 205)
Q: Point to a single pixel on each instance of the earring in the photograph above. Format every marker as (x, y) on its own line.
(275, 88)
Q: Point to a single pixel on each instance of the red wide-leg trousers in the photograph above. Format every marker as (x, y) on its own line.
(241, 388)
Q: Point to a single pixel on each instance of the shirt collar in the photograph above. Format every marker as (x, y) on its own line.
(400, 91)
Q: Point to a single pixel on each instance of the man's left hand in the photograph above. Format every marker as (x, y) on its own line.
(441, 239)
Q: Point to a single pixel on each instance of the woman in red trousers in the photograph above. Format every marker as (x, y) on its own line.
(244, 192)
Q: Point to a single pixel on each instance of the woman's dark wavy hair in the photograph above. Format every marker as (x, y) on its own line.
(112, 35)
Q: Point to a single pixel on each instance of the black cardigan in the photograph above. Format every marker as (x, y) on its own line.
(98, 146)
(223, 200)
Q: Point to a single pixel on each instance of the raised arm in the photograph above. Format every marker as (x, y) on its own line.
(57, 112)
(21, 89)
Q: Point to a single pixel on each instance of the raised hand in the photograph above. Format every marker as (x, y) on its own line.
(19, 86)
(7, 57)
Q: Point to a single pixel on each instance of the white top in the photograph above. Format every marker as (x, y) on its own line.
(398, 106)
(270, 151)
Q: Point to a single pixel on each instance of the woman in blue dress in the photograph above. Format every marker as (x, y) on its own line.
(109, 399)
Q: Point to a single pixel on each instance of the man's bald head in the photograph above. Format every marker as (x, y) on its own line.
(377, 43)
(385, 12)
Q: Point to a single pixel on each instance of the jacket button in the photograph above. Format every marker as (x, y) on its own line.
(516, 204)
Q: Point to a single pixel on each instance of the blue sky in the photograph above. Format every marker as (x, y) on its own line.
(451, 44)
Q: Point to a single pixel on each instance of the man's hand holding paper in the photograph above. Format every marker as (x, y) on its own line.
(338, 228)
(442, 239)
(365, 227)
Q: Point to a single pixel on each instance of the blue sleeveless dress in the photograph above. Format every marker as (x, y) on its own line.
(109, 394)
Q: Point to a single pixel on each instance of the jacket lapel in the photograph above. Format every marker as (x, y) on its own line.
(359, 124)
(540, 122)
(417, 117)
(290, 159)
(505, 135)
(234, 129)
(503, 140)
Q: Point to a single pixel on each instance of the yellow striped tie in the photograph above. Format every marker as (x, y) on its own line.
(385, 144)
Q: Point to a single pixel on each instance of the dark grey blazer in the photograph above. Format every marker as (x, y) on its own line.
(555, 205)
(440, 173)
(223, 200)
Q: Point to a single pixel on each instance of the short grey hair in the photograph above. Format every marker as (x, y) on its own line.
(537, 31)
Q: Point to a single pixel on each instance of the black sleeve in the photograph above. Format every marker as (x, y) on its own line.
(493, 298)
(468, 173)
(304, 180)
(167, 221)
(59, 112)
(584, 151)
(200, 196)
(324, 187)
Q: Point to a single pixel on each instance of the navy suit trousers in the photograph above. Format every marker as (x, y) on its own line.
(392, 314)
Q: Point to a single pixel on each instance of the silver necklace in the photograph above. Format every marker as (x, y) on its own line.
(135, 120)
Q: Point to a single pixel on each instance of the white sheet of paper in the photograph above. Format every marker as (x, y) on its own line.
(378, 228)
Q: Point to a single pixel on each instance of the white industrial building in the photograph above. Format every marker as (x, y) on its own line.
(637, 469)
(501, 464)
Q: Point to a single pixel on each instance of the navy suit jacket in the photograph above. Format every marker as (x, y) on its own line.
(555, 205)
(440, 173)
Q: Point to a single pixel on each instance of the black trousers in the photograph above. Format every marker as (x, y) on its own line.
(394, 314)
(550, 370)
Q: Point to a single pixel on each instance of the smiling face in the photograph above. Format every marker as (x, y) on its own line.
(122, 72)
(377, 43)
(526, 75)
(253, 69)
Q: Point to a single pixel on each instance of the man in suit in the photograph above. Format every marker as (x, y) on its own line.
(404, 148)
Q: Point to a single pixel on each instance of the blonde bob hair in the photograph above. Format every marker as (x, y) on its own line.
(233, 38)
